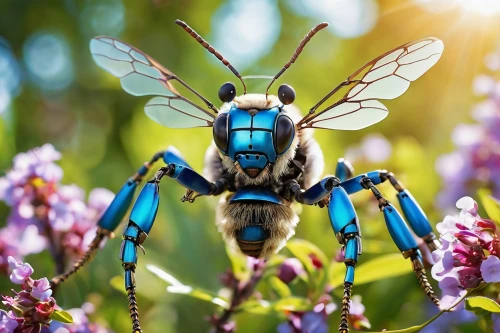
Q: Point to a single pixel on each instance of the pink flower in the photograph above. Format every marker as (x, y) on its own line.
(290, 269)
(41, 289)
(21, 271)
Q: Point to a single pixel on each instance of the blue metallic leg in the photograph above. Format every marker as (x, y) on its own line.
(403, 238)
(413, 213)
(144, 213)
(344, 169)
(345, 224)
(116, 211)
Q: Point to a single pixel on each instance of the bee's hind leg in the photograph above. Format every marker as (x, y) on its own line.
(345, 224)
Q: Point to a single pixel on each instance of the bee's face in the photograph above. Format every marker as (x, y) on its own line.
(254, 138)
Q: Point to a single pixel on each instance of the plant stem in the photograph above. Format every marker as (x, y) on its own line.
(241, 292)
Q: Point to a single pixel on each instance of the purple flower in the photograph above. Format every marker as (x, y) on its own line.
(495, 317)
(7, 322)
(41, 289)
(21, 271)
(290, 269)
(476, 161)
(490, 269)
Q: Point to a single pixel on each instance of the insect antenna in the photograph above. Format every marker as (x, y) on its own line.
(297, 52)
(211, 49)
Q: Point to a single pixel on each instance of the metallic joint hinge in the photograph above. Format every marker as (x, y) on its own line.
(409, 253)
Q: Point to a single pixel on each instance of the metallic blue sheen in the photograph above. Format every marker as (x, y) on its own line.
(253, 233)
(398, 229)
(349, 274)
(129, 252)
(265, 119)
(256, 194)
(316, 192)
(252, 134)
(353, 185)
(351, 249)
(414, 214)
(129, 281)
(118, 207)
(145, 207)
(191, 180)
(143, 170)
(375, 177)
(252, 161)
(351, 228)
(340, 210)
(172, 155)
(131, 232)
(343, 170)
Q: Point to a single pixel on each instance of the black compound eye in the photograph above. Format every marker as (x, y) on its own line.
(283, 134)
(220, 132)
(227, 92)
(286, 94)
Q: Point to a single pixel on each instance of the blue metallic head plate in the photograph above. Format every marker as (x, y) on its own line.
(252, 138)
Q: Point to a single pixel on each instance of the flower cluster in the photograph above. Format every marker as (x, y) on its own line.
(31, 308)
(45, 213)
(315, 321)
(469, 253)
(476, 162)
(81, 323)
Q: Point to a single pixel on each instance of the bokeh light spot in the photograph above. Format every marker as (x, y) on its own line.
(10, 75)
(245, 31)
(347, 18)
(103, 18)
(48, 62)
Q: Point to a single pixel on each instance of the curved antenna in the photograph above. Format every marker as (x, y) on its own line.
(211, 49)
(297, 52)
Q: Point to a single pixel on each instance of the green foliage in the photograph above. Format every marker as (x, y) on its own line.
(317, 277)
(62, 316)
(480, 304)
(490, 205)
(383, 267)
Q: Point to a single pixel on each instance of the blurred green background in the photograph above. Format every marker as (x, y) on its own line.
(53, 92)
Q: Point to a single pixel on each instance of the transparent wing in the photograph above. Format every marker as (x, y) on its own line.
(385, 77)
(141, 75)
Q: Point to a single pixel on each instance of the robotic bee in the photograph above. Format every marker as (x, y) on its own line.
(264, 157)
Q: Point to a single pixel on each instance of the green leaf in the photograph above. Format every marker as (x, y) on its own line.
(383, 267)
(491, 205)
(285, 304)
(118, 283)
(481, 303)
(61, 316)
(177, 287)
(317, 277)
(279, 287)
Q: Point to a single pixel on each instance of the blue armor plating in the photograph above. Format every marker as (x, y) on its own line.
(118, 207)
(145, 208)
(398, 229)
(414, 214)
(172, 155)
(353, 185)
(316, 192)
(256, 194)
(344, 170)
(253, 233)
(340, 210)
(192, 180)
(251, 137)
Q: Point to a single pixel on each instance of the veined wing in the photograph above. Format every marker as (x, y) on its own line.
(385, 77)
(141, 75)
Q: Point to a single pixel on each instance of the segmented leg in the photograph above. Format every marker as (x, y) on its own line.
(403, 238)
(346, 227)
(114, 214)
